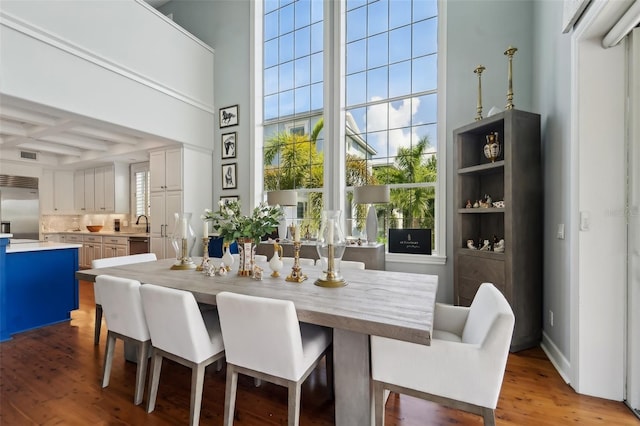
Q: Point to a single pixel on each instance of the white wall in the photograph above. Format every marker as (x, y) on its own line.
(582, 93)
(225, 25)
(552, 86)
(56, 54)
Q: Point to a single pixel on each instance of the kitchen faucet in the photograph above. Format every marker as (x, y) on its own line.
(146, 219)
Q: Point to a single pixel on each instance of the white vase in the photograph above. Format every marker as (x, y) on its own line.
(227, 258)
(372, 225)
(276, 263)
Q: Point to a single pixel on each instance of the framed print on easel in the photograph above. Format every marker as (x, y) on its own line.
(228, 145)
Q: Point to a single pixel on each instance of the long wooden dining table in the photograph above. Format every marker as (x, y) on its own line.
(398, 305)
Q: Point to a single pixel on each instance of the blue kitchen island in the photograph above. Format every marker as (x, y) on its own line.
(37, 284)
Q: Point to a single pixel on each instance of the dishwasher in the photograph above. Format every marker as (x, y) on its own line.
(138, 245)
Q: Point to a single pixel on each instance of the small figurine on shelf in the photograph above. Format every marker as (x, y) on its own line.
(488, 200)
(468, 205)
(485, 246)
(471, 245)
(476, 204)
(499, 246)
(359, 242)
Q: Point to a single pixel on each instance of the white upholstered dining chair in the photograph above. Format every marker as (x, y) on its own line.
(463, 367)
(288, 261)
(350, 264)
(183, 333)
(120, 298)
(264, 339)
(105, 263)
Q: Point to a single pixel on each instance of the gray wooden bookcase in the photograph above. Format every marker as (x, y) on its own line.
(515, 178)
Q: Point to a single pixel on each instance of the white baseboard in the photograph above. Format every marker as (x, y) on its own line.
(556, 357)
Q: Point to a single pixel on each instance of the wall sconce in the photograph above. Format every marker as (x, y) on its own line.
(371, 194)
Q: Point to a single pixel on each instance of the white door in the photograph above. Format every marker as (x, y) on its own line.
(633, 326)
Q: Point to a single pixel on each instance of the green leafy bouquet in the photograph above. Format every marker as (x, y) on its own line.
(231, 225)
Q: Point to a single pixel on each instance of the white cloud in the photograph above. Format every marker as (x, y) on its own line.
(398, 119)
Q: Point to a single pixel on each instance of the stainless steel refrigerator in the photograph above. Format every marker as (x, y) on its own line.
(19, 207)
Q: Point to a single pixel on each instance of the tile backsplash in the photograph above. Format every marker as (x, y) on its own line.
(63, 223)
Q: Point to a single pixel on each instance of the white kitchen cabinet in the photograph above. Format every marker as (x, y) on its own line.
(102, 189)
(164, 205)
(166, 170)
(92, 249)
(181, 181)
(56, 191)
(83, 191)
(115, 246)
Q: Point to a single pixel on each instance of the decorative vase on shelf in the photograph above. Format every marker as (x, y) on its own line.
(330, 245)
(227, 258)
(245, 249)
(183, 240)
(276, 263)
(492, 147)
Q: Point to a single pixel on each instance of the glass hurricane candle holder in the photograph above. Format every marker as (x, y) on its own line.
(183, 240)
(330, 245)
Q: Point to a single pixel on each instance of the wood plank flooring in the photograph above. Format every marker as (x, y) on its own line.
(51, 376)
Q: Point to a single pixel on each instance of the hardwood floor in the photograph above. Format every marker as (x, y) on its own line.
(52, 376)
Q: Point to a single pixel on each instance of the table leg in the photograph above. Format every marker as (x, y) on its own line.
(351, 360)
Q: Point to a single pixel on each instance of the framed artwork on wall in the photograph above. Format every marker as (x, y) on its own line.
(228, 145)
(229, 199)
(229, 116)
(229, 176)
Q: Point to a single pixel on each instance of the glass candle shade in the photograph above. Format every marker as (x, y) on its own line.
(330, 245)
(183, 240)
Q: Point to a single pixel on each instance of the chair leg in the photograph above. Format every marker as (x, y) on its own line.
(154, 380)
(141, 370)
(98, 325)
(294, 403)
(230, 395)
(378, 400)
(108, 359)
(197, 383)
(489, 416)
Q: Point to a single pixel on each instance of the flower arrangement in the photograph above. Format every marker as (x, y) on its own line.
(231, 225)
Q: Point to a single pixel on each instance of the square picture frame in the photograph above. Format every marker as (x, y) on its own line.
(228, 145)
(229, 176)
(229, 199)
(229, 116)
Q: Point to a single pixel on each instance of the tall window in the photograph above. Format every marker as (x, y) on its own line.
(140, 179)
(390, 107)
(293, 84)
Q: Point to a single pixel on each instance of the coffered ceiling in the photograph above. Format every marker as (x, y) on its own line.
(63, 139)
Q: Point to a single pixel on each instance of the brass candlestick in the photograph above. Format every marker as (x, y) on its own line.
(185, 261)
(510, 52)
(478, 71)
(205, 253)
(296, 275)
(333, 279)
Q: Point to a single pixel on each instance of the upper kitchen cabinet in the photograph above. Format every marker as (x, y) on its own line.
(102, 189)
(166, 170)
(56, 192)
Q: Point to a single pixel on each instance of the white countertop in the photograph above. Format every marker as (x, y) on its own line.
(6, 235)
(101, 233)
(21, 246)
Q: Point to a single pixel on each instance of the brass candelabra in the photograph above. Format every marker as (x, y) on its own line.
(510, 52)
(185, 262)
(333, 279)
(478, 71)
(205, 254)
(296, 275)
